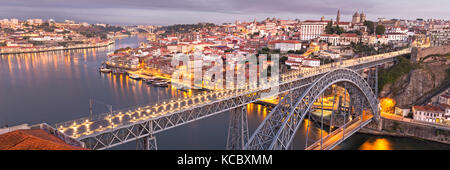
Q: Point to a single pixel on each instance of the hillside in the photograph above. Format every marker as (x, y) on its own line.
(407, 83)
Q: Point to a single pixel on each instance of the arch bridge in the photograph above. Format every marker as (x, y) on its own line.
(352, 83)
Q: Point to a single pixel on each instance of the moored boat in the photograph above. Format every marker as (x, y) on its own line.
(134, 76)
(160, 84)
(105, 70)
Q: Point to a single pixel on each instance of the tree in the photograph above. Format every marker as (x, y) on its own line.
(370, 26)
(329, 29)
(339, 30)
(36, 43)
(380, 29)
(283, 59)
(355, 31)
(264, 50)
(300, 51)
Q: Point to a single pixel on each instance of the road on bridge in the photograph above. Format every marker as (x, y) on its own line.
(339, 135)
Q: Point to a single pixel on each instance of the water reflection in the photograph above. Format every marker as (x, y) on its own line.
(53, 87)
(377, 144)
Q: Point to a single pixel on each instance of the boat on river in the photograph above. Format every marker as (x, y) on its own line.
(160, 82)
(134, 76)
(105, 70)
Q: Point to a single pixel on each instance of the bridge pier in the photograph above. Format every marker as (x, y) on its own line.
(372, 79)
(238, 129)
(147, 143)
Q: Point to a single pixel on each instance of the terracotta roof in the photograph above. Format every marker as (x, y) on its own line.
(296, 56)
(293, 62)
(349, 35)
(344, 23)
(311, 59)
(309, 21)
(33, 139)
(329, 35)
(428, 108)
(285, 41)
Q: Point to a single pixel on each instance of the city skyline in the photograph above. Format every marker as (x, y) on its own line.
(193, 11)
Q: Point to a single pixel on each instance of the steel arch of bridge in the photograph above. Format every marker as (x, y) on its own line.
(277, 131)
(101, 132)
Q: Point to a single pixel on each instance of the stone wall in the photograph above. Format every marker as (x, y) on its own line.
(391, 127)
(418, 53)
(401, 128)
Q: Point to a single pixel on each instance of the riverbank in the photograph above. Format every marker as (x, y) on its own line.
(400, 127)
(408, 128)
(57, 87)
(20, 50)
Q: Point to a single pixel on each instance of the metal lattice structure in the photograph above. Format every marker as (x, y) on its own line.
(142, 122)
(278, 129)
(238, 134)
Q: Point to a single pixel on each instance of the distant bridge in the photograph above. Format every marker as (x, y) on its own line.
(298, 90)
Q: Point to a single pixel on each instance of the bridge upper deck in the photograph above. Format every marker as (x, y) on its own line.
(107, 122)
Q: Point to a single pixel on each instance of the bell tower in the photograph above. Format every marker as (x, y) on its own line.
(338, 17)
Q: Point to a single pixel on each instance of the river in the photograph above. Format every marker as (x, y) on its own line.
(54, 87)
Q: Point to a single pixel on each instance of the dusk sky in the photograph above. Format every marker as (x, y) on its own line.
(166, 12)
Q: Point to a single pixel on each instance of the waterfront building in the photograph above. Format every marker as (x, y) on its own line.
(285, 45)
(433, 114)
(444, 99)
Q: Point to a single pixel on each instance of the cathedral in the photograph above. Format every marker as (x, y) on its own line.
(358, 18)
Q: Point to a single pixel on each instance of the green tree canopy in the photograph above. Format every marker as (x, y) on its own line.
(329, 29)
(380, 29)
(370, 26)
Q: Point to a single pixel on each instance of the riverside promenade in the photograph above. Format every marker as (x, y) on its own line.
(20, 50)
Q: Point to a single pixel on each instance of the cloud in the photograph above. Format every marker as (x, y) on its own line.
(169, 11)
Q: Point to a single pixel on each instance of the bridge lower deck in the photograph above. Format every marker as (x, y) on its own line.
(339, 135)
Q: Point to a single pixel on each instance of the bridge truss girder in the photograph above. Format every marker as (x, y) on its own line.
(133, 131)
(238, 134)
(278, 129)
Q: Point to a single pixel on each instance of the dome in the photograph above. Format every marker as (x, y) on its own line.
(363, 14)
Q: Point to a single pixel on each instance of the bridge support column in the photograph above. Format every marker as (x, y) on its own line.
(147, 143)
(372, 79)
(380, 124)
(238, 129)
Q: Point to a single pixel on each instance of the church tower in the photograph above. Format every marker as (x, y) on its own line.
(363, 17)
(338, 17)
(356, 18)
